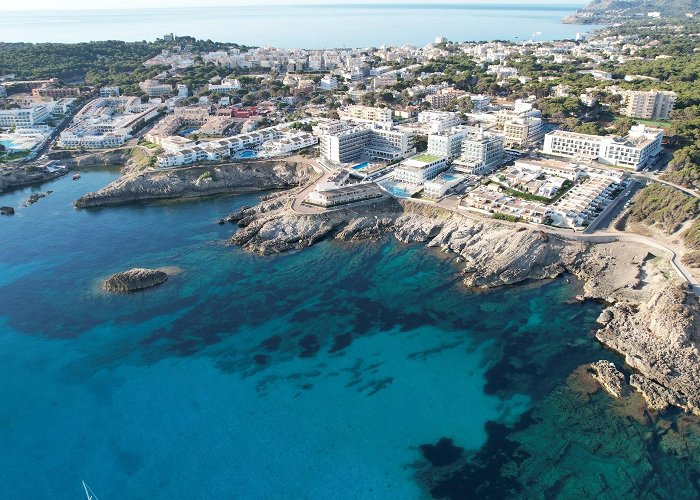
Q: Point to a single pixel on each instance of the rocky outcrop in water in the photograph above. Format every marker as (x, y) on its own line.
(659, 338)
(134, 280)
(607, 374)
(136, 186)
(7, 211)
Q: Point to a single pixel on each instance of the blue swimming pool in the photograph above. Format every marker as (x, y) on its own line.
(187, 131)
(248, 154)
(360, 166)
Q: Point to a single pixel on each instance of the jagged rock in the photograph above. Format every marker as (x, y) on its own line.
(136, 185)
(657, 397)
(605, 317)
(658, 339)
(134, 279)
(609, 377)
(33, 198)
(7, 211)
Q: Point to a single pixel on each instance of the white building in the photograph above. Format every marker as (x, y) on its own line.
(482, 152)
(24, 117)
(420, 168)
(369, 141)
(449, 142)
(226, 85)
(109, 91)
(289, 144)
(634, 150)
(182, 90)
(435, 122)
(343, 195)
(328, 83)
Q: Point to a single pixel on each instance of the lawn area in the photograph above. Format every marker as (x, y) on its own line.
(7, 157)
(608, 117)
(426, 158)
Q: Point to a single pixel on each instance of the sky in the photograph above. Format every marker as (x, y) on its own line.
(12, 5)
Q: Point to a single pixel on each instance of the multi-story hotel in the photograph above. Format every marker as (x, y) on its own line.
(523, 131)
(449, 142)
(372, 141)
(23, 117)
(651, 105)
(634, 150)
(482, 152)
(366, 114)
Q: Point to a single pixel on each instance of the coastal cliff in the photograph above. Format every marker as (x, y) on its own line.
(651, 319)
(14, 176)
(139, 185)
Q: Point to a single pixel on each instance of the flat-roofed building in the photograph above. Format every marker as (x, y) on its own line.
(344, 195)
(523, 131)
(374, 142)
(24, 117)
(420, 168)
(634, 150)
(365, 114)
(482, 152)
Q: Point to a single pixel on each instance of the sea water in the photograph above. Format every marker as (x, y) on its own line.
(311, 26)
(323, 373)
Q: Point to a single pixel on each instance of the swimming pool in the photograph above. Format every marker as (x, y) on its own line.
(360, 166)
(247, 154)
(187, 131)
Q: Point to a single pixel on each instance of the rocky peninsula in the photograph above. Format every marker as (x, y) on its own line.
(134, 280)
(651, 318)
(143, 185)
(19, 176)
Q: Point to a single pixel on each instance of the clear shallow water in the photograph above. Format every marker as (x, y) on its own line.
(317, 374)
(300, 26)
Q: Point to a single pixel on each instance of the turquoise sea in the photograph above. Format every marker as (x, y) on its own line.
(304, 26)
(342, 371)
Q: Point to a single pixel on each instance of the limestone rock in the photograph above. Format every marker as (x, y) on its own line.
(657, 397)
(134, 279)
(609, 377)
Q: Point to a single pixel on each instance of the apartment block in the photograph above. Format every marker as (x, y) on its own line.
(420, 168)
(366, 114)
(651, 105)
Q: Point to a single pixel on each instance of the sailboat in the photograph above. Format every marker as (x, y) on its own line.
(89, 493)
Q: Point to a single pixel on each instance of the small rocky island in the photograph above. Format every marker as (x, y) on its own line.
(134, 280)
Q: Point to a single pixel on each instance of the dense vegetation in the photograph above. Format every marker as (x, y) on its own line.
(663, 207)
(98, 63)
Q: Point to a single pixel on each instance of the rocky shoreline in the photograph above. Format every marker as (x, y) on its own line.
(138, 185)
(12, 177)
(652, 319)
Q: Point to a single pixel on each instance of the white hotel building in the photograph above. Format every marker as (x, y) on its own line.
(24, 117)
(482, 153)
(634, 150)
(370, 141)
